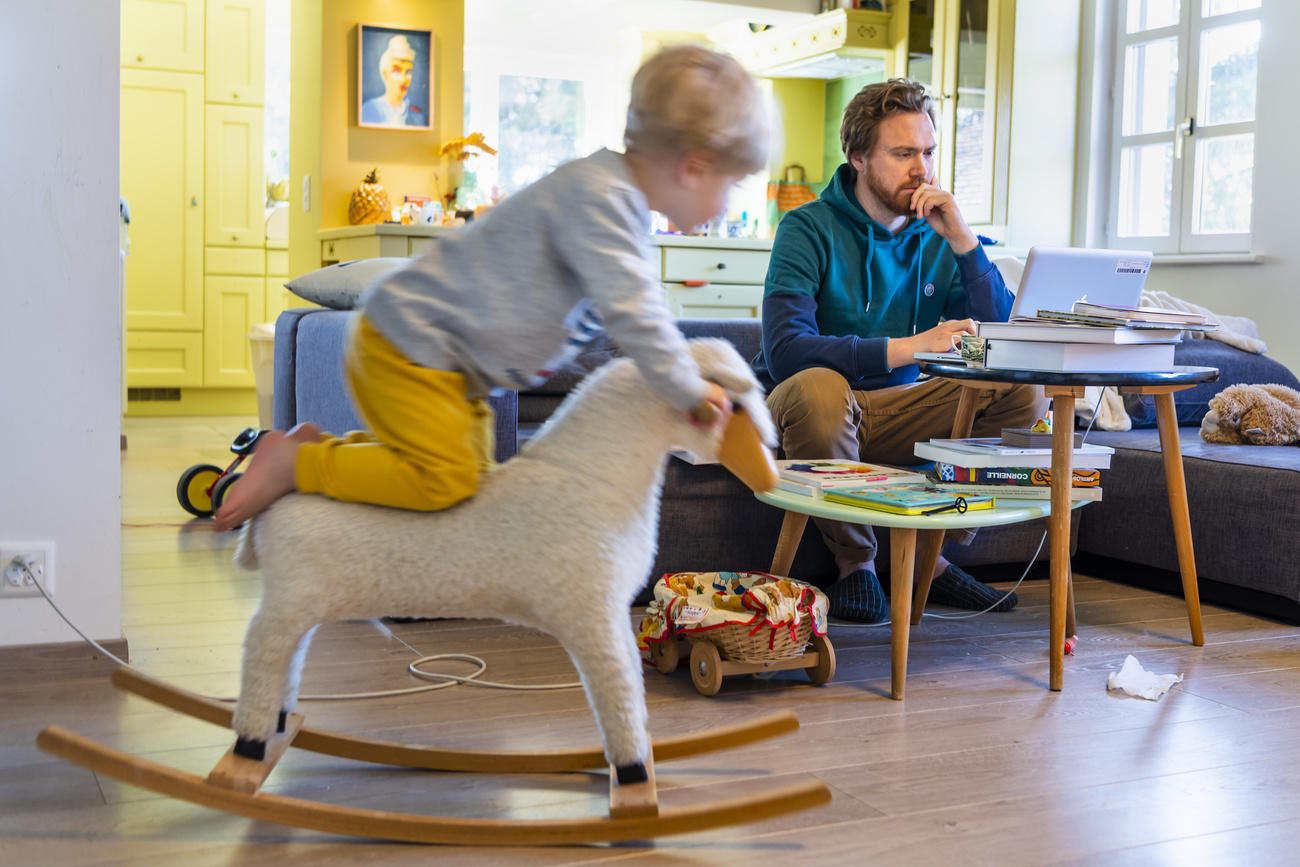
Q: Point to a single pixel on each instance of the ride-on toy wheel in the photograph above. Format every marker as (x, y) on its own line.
(193, 489)
(665, 654)
(706, 667)
(221, 488)
(824, 670)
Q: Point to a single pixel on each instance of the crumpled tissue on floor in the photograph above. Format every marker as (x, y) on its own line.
(1136, 680)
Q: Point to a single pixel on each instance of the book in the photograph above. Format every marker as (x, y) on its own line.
(1018, 492)
(909, 499)
(1088, 456)
(995, 446)
(1047, 329)
(1083, 477)
(1047, 355)
(1023, 437)
(1144, 314)
(814, 477)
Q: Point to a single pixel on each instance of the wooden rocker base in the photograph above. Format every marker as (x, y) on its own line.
(435, 759)
(410, 828)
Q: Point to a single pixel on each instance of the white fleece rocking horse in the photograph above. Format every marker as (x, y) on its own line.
(571, 520)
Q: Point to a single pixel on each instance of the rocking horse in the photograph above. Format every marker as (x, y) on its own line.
(577, 513)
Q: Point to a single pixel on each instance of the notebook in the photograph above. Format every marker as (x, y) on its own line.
(1056, 277)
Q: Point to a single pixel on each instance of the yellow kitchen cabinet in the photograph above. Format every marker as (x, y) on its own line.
(233, 304)
(162, 34)
(236, 191)
(236, 52)
(162, 179)
(278, 298)
(164, 359)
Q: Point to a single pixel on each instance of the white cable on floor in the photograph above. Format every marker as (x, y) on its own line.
(448, 679)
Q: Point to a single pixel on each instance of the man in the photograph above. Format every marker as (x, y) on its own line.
(881, 266)
(392, 107)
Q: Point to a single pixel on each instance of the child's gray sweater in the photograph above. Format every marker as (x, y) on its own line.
(513, 297)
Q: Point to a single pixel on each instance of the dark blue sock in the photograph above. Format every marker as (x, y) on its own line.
(859, 597)
(959, 589)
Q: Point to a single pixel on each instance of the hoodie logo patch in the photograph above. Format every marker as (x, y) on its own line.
(928, 290)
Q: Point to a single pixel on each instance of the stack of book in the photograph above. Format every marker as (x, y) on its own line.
(813, 478)
(1090, 338)
(985, 465)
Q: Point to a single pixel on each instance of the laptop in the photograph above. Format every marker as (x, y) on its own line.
(1056, 277)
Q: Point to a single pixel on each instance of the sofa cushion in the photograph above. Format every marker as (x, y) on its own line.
(339, 286)
(1235, 366)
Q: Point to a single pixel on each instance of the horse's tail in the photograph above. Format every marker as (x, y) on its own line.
(246, 549)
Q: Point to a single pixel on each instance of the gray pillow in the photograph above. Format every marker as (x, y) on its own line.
(339, 286)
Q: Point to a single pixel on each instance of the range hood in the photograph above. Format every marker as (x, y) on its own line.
(831, 45)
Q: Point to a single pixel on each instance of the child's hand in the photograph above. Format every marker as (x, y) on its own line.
(714, 409)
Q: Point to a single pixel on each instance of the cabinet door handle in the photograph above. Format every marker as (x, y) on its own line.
(194, 201)
(722, 266)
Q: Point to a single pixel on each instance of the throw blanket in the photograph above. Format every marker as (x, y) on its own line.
(1235, 331)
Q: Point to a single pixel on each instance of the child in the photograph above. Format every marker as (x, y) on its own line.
(515, 295)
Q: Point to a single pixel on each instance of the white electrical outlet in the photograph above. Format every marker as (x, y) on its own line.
(15, 580)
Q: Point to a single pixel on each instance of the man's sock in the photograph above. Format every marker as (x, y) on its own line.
(959, 589)
(859, 597)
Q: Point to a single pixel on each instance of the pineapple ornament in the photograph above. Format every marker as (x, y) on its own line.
(369, 203)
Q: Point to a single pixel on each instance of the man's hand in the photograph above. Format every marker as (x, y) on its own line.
(941, 338)
(937, 207)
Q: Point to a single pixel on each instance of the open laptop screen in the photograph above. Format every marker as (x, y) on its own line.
(1056, 277)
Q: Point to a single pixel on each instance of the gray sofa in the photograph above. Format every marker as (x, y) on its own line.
(709, 521)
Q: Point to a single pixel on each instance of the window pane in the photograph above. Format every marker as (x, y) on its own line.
(1229, 63)
(972, 162)
(1224, 172)
(540, 122)
(1223, 7)
(1150, 84)
(1145, 190)
(1149, 14)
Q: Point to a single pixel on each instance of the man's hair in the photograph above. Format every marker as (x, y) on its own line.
(687, 98)
(874, 103)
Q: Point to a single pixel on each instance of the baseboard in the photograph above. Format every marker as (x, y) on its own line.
(30, 663)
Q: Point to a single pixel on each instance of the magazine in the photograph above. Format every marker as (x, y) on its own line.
(909, 499)
(812, 477)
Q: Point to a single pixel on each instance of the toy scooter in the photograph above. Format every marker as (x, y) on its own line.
(203, 486)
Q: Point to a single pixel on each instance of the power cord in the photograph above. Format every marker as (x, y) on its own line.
(851, 625)
(471, 679)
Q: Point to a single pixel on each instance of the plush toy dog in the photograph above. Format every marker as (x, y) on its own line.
(1260, 415)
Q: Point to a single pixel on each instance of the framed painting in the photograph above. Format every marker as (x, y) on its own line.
(394, 77)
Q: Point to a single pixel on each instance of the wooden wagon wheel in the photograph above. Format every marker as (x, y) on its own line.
(706, 667)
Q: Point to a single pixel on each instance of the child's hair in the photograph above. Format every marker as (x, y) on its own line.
(874, 103)
(687, 98)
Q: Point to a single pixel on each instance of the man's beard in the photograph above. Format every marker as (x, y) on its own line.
(894, 201)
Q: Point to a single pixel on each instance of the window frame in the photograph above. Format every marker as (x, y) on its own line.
(1188, 30)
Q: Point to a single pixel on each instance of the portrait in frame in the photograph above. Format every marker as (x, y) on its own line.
(394, 77)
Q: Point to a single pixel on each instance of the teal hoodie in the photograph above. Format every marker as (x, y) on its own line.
(839, 285)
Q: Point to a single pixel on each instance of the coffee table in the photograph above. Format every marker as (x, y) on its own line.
(1064, 389)
(903, 531)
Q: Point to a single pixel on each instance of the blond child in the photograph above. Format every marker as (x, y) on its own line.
(516, 295)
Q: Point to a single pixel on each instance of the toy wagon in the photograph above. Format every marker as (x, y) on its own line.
(737, 623)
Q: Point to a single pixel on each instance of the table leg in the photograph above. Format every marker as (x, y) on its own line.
(1176, 487)
(931, 545)
(1059, 529)
(787, 543)
(902, 560)
(964, 420)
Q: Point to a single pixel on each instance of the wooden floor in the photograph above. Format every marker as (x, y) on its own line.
(979, 765)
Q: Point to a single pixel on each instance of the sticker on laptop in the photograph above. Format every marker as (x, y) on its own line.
(1131, 266)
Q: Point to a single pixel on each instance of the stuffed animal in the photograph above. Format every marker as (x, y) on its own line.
(1260, 415)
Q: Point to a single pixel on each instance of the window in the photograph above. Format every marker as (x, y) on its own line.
(1183, 140)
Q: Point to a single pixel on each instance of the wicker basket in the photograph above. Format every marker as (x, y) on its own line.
(735, 643)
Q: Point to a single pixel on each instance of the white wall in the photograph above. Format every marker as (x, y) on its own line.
(1268, 292)
(1044, 103)
(60, 346)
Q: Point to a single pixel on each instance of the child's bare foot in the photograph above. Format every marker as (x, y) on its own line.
(270, 475)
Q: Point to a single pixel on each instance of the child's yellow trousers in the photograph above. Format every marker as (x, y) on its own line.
(427, 440)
